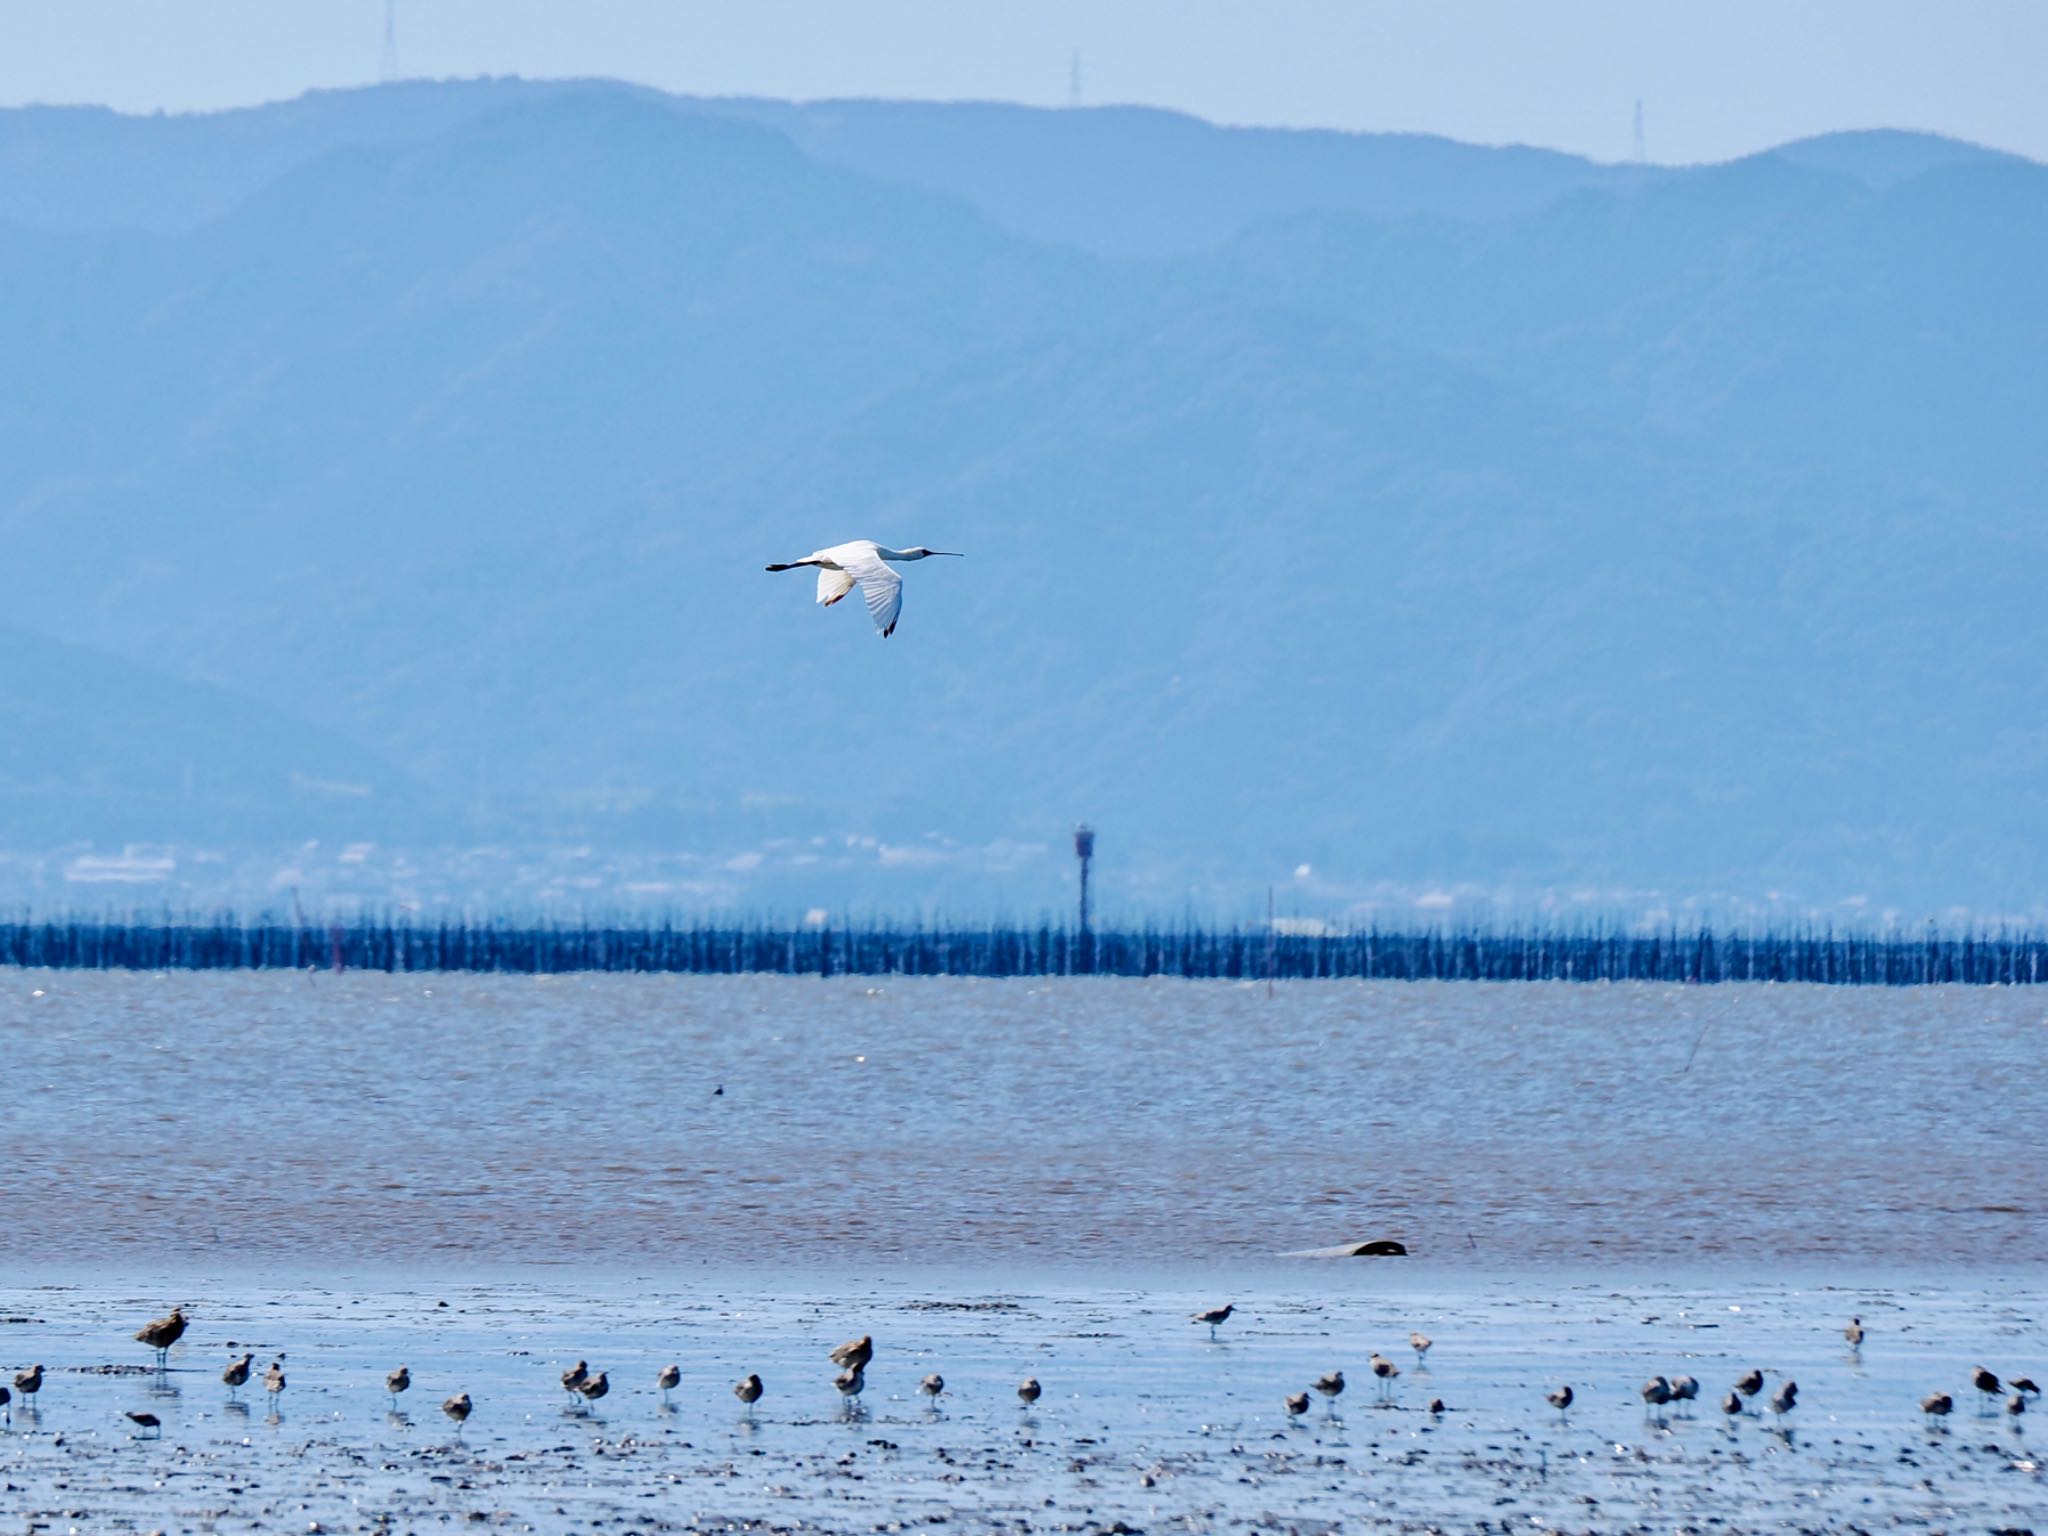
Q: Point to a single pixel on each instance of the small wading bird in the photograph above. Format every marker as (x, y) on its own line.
(851, 1382)
(854, 1354)
(1785, 1399)
(1420, 1342)
(1732, 1404)
(1656, 1393)
(28, 1383)
(273, 1382)
(670, 1378)
(574, 1377)
(1028, 1391)
(1436, 1407)
(594, 1387)
(865, 564)
(1937, 1405)
(932, 1386)
(1297, 1405)
(457, 1408)
(148, 1422)
(748, 1390)
(398, 1381)
(1985, 1383)
(1684, 1389)
(1560, 1398)
(237, 1373)
(1332, 1387)
(1751, 1384)
(161, 1333)
(1386, 1371)
(1214, 1316)
(1854, 1333)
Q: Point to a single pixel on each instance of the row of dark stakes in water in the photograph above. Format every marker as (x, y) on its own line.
(1045, 949)
(586, 1386)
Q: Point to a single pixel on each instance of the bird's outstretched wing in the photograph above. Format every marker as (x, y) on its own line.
(832, 586)
(880, 585)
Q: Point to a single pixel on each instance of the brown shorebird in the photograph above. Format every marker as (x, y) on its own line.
(1684, 1389)
(237, 1373)
(398, 1381)
(670, 1378)
(1332, 1388)
(594, 1387)
(1854, 1333)
(1560, 1398)
(748, 1390)
(1386, 1371)
(148, 1421)
(1028, 1391)
(1732, 1404)
(1435, 1408)
(28, 1383)
(273, 1380)
(854, 1354)
(1297, 1405)
(1214, 1316)
(850, 1382)
(1656, 1393)
(161, 1333)
(1937, 1405)
(2016, 1404)
(2023, 1384)
(1419, 1342)
(1751, 1384)
(1985, 1383)
(457, 1408)
(574, 1377)
(1785, 1399)
(932, 1386)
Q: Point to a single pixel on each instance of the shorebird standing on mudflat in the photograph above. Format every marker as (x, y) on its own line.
(1420, 1342)
(1214, 1316)
(574, 1377)
(851, 1382)
(854, 1354)
(237, 1373)
(398, 1381)
(1560, 1398)
(2016, 1404)
(748, 1390)
(1750, 1384)
(670, 1378)
(1386, 1371)
(1332, 1388)
(1029, 1391)
(149, 1423)
(457, 1408)
(273, 1383)
(1684, 1389)
(1854, 1334)
(1785, 1399)
(161, 1333)
(1937, 1405)
(594, 1387)
(931, 1387)
(1297, 1405)
(1656, 1393)
(1987, 1384)
(28, 1383)
(1732, 1405)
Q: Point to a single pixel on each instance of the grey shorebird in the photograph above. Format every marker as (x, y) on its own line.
(1214, 1316)
(2016, 1404)
(1732, 1405)
(28, 1383)
(1420, 1343)
(748, 1390)
(1386, 1371)
(161, 1333)
(854, 1354)
(149, 1423)
(1785, 1399)
(398, 1381)
(851, 1382)
(236, 1375)
(594, 1387)
(457, 1408)
(273, 1379)
(1297, 1405)
(1937, 1405)
(1684, 1389)
(931, 1387)
(1332, 1388)
(1854, 1333)
(1751, 1383)
(1987, 1384)
(670, 1378)
(574, 1377)
(1656, 1393)
(1559, 1398)
(1029, 1391)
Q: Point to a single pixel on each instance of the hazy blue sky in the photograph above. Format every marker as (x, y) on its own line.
(1717, 77)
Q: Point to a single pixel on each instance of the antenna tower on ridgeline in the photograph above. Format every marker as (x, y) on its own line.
(1074, 79)
(1641, 148)
(387, 66)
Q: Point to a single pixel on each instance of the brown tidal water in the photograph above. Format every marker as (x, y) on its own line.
(166, 1118)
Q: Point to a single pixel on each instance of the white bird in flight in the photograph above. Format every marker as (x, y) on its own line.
(865, 563)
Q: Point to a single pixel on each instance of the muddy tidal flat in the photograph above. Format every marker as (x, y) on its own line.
(1146, 1424)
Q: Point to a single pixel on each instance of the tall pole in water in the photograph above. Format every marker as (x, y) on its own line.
(1084, 850)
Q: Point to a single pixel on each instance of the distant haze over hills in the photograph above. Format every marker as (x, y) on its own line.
(1378, 517)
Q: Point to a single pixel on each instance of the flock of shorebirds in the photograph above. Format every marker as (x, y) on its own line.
(585, 1386)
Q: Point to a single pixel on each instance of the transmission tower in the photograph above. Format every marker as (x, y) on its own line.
(1642, 151)
(387, 66)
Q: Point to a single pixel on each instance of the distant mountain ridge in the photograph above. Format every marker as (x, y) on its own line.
(1386, 509)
